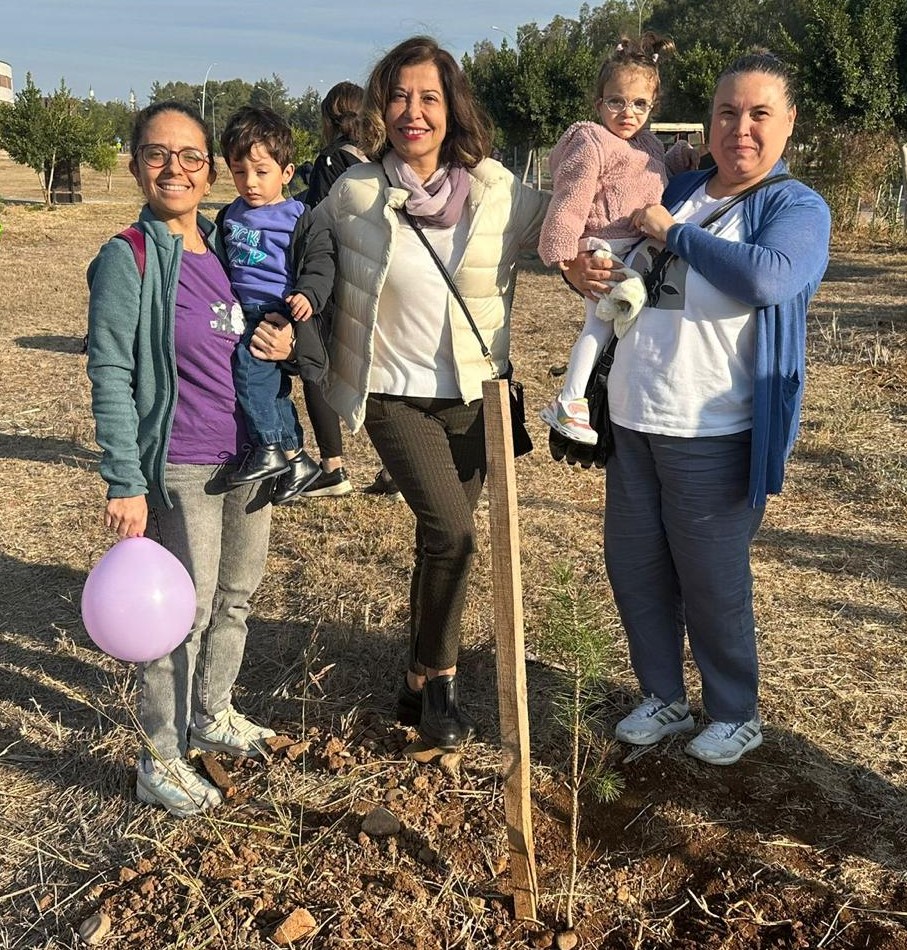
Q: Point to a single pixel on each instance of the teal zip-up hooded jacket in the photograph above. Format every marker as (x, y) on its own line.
(131, 356)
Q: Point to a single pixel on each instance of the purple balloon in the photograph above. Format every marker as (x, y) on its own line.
(138, 602)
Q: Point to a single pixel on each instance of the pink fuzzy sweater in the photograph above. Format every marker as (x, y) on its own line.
(599, 179)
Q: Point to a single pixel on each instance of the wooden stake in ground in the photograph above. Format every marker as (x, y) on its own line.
(510, 651)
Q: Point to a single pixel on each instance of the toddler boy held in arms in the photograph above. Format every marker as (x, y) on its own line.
(273, 270)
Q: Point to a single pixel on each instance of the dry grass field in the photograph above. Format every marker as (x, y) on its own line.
(801, 845)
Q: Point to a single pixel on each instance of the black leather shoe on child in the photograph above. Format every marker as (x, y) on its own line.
(443, 723)
(264, 461)
(303, 471)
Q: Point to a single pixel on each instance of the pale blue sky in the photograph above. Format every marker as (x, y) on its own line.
(114, 45)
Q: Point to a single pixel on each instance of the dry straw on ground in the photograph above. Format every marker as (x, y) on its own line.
(801, 845)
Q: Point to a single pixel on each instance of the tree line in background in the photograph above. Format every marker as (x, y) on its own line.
(849, 57)
(46, 132)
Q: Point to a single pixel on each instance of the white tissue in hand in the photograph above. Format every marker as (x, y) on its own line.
(627, 296)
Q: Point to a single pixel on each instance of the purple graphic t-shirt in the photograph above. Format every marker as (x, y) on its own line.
(208, 425)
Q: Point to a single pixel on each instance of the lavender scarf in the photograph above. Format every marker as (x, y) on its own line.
(438, 202)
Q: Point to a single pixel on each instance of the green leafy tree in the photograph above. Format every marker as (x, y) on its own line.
(272, 94)
(693, 77)
(118, 117)
(306, 145)
(492, 73)
(533, 93)
(306, 111)
(103, 158)
(708, 34)
(605, 24)
(43, 132)
(185, 92)
(853, 63)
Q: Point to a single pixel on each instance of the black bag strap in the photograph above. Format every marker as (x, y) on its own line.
(655, 275)
(414, 224)
(742, 196)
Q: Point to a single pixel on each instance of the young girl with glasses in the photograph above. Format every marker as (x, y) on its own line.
(601, 174)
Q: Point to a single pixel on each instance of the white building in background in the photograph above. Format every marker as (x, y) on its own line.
(6, 82)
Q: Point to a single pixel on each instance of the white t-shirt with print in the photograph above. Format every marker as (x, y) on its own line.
(685, 367)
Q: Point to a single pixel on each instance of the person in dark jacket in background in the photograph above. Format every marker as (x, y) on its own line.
(339, 110)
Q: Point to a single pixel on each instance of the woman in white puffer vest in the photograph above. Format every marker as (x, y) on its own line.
(404, 360)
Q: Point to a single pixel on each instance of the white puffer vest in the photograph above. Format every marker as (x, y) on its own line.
(361, 211)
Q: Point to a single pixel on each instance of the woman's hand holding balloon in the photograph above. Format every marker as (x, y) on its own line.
(127, 516)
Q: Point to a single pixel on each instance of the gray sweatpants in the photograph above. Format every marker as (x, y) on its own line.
(221, 538)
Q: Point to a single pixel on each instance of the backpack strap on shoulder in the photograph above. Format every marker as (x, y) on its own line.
(136, 240)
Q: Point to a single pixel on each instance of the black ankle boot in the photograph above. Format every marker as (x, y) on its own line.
(409, 705)
(264, 461)
(443, 723)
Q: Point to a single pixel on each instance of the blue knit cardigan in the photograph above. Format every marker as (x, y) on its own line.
(776, 269)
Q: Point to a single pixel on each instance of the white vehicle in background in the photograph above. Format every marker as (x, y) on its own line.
(671, 132)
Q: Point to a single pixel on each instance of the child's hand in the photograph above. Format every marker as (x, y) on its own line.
(653, 220)
(300, 306)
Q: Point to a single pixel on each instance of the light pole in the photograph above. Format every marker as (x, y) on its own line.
(205, 86)
(640, 10)
(214, 99)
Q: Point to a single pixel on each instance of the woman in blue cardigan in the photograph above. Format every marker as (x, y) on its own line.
(704, 397)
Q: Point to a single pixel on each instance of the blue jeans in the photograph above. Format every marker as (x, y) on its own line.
(221, 538)
(263, 388)
(677, 543)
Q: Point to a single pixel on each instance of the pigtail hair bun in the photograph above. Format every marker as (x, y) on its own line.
(649, 50)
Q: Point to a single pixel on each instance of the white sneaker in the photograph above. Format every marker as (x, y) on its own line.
(722, 743)
(571, 419)
(653, 720)
(176, 786)
(230, 732)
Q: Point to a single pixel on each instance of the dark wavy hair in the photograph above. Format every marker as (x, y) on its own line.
(251, 126)
(639, 55)
(468, 138)
(144, 117)
(767, 63)
(340, 112)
